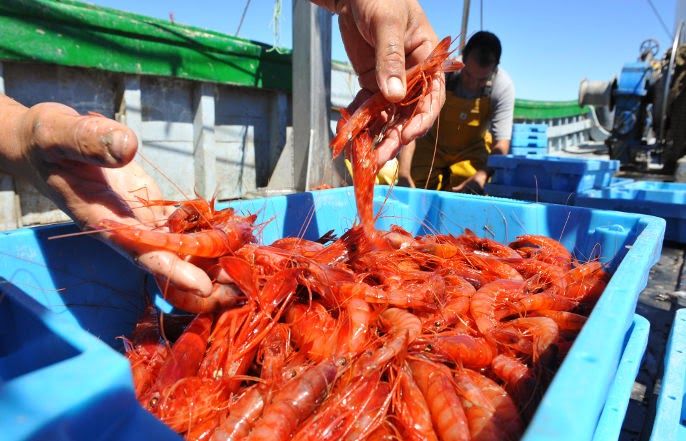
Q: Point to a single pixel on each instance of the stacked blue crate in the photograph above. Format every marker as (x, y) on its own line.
(529, 139)
(663, 199)
(550, 179)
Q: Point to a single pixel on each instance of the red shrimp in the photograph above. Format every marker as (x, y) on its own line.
(543, 248)
(184, 360)
(313, 329)
(488, 298)
(334, 419)
(485, 246)
(403, 328)
(566, 321)
(534, 336)
(447, 413)
(411, 409)
(459, 293)
(220, 342)
(355, 332)
(364, 177)
(294, 403)
(145, 351)
(418, 85)
(519, 379)
(222, 239)
(491, 413)
(371, 414)
(242, 415)
(190, 401)
(540, 275)
(586, 282)
(463, 349)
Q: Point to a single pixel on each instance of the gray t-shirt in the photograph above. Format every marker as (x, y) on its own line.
(502, 103)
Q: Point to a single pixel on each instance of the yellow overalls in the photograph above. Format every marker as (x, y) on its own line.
(463, 144)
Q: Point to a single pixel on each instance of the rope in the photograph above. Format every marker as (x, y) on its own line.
(662, 22)
(240, 23)
(276, 16)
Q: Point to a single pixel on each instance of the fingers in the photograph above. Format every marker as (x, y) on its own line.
(60, 133)
(389, 147)
(181, 274)
(428, 110)
(388, 32)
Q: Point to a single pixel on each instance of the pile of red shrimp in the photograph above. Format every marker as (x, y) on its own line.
(371, 336)
(374, 335)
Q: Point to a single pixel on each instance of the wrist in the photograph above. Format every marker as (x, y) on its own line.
(333, 6)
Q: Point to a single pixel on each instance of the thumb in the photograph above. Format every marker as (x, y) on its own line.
(62, 134)
(389, 38)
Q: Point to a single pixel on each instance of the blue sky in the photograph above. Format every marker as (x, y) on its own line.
(548, 46)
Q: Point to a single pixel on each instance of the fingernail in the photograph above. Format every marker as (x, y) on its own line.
(395, 87)
(115, 142)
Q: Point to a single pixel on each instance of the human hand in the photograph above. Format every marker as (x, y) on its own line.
(474, 184)
(84, 164)
(383, 38)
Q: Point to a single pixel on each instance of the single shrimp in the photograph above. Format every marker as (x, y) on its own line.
(445, 406)
(411, 409)
(356, 330)
(222, 239)
(485, 246)
(535, 336)
(364, 177)
(491, 413)
(242, 415)
(459, 293)
(543, 248)
(371, 415)
(294, 403)
(519, 379)
(566, 321)
(488, 298)
(586, 282)
(463, 349)
(403, 328)
(313, 329)
(190, 401)
(184, 360)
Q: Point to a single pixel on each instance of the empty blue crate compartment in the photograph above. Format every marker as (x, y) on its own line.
(670, 423)
(529, 128)
(92, 288)
(570, 175)
(663, 199)
(530, 194)
(523, 139)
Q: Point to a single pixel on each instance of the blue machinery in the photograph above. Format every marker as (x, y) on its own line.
(643, 133)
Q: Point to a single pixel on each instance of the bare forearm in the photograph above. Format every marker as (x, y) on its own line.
(331, 5)
(11, 114)
(501, 147)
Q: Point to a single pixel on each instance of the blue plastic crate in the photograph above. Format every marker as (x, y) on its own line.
(618, 182)
(528, 151)
(612, 417)
(530, 194)
(670, 416)
(92, 287)
(552, 172)
(57, 381)
(530, 128)
(523, 139)
(663, 199)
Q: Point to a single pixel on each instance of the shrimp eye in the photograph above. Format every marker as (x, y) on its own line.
(154, 401)
(341, 362)
(429, 348)
(292, 374)
(438, 324)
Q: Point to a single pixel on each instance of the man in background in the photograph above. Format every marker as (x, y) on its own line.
(476, 121)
